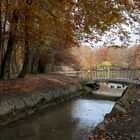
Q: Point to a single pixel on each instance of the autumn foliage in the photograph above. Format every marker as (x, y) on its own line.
(28, 29)
(123, 56)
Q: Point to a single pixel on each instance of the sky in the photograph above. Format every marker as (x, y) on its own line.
(115, 35)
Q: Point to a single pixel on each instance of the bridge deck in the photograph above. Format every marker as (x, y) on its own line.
(120, 81)
(112, 74)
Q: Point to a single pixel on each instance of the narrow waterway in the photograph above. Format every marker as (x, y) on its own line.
(70, 121)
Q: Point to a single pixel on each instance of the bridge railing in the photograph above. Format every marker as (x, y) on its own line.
(116, 73)
(113, 73)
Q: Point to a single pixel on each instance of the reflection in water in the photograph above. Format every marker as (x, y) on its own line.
(110, 89)
(72, 121)
(88, 113)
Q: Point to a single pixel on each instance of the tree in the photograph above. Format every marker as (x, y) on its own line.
(5, 71)
(122, 55)
(118, 55)
(61, 21)
(85, 55)
(102, 55)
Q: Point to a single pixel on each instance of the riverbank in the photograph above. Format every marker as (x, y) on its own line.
(123, 123)
(22, 97)
(32, 83)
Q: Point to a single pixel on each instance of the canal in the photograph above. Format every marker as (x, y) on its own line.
(71, 121)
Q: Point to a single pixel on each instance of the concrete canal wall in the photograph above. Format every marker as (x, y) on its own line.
(12, 108)
(121, 106)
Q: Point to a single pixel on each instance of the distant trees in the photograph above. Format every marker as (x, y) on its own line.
(119, 55)
(85, 55)
(28, 27)
(102, 55)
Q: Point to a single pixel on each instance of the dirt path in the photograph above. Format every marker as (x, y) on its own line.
(35, 83)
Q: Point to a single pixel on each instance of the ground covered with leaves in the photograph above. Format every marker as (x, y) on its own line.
(123, 126)
(35, 83)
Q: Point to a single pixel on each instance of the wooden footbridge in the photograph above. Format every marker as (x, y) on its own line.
(110, 75)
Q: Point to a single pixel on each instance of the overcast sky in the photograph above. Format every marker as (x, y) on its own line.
(116, 37)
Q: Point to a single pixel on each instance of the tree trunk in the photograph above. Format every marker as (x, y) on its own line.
(0, 36)
(41, 67)
(5, 70)
(35, 61)
(26, 69)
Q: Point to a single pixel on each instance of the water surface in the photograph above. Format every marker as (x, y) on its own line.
(70, 121)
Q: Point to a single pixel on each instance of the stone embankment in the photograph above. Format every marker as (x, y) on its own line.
(12, 108)
(122, 120)
(121, 106)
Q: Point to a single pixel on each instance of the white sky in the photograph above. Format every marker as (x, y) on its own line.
(115, 36)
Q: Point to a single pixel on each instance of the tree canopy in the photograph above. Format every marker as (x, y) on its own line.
(27, 27)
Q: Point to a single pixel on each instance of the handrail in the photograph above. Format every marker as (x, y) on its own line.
(107, 73)
(111, 73)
